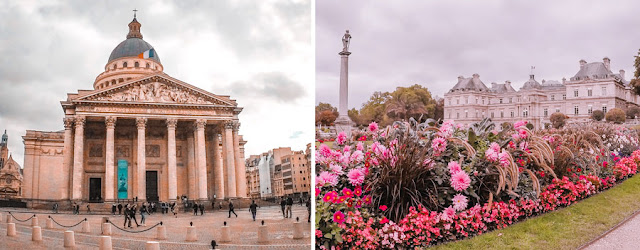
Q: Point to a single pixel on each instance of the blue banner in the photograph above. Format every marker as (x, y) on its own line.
(123, 176)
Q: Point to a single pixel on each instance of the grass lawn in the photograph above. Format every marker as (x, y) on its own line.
(566, 228)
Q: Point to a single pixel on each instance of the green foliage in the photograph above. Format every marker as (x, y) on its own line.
(597, 115)
(411, 102)
(558, 119)
(635, 82)
(615, 115)
(632, 112)
(326, 114)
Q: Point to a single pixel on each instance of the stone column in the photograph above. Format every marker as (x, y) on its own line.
(241, 180)
(141, 172)
(171, 158)
(343, 123)
(191, 166)
(78, 159)
(201, 160)
(230, 163)
(218, 171)
(67, 161)
(109, 180)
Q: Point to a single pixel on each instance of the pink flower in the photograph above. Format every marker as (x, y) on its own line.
(338, 217)
(504, 159)
(460, 202)
(373, 127)
(495, 147)
(342, 138)
(330, 196)
(326, 178)
(347, 192)
(360, 146)
(318, 233)
(523, 134)
(519, 124)
(336, 169)
(448, 214)
(524, 146)
(356, 176)
(516, 136)
(324, 150)
(383, 207)
(460, 181)
(384, 220)
(439, 144)
(492, 153)
(454, 167)
(357, 191)
(317, 192)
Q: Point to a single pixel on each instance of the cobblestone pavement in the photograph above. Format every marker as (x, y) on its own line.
(627, 236)
(243, 230)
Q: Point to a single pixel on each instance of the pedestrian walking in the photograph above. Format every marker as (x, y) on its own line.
(283, 204)
(220, 206)
(195, 208)
(55, 208)
(126, 216)
(309, 210)
(132, 214)
(289, 213)
(231, 210)
(143, 210)
(119, 208)
(253, 208)
(201, 209)
(88, 209)
(113, 209)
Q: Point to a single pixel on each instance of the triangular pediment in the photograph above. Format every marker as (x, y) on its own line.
(158, 89)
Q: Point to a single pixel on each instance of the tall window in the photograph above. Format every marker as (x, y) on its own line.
(604, 90)
(124, 65)
(510, 100)
(457, 115)
(500, 100)
(546, 112)
(557, 110)
(512, 114)
(553, 97)
(525, 113)
(590, 109)
(136, 64)
(491, 114)
(575, 93)
(501, 114)
(457, 101)
(149, 66)
(467, 100)
(589, 92)
(575, 110)
(604, 109)
(466, 114)
(564, 96)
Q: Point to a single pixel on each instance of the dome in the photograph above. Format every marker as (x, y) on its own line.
(132, 47)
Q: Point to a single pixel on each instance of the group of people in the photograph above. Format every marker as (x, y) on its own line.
(287, 212)
(75, 208)
(130, 212)
(197, 207)
(149, 207)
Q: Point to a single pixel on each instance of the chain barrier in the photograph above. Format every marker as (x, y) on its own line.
(20, 219)
(130, 231)
(85, 219)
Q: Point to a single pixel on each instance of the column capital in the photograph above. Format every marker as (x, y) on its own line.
(141, 122)
(171, 123)
(236, 126)
(228, 124)
(110, 121)
(200, 123)
(80, 121)
(68, 122)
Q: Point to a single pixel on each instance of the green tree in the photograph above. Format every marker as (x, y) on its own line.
(558, 119)
(632, 112)
(615, 115)
(597, 115)
(414, 101)
(439, 110)
(374, 109)
(354, 114)
(635, 82)
(326, 114)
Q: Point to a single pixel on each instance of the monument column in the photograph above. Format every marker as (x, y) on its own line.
(230, 164)
(171, 158)
(78, 159)
(218, 171)
(109, 180)
(141, 168)
(343, 122)
(67, 161)
(241, 180)
(202, 159)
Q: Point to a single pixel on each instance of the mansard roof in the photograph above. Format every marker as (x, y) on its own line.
(552, 84)
(473, 83)
(502, 88)
(594, 70)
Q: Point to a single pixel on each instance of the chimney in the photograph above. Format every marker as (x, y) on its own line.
(543, 81)
(564, 80)
(607, 63)
(582, 63)
(507, 83)
(476, 76)
(622, 74)
(460, 78)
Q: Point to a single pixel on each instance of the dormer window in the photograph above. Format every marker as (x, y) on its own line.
(136, 64)
(148, 66)
(124, 65)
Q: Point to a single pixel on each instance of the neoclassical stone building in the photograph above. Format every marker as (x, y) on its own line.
(139, 133)
(593, 87)
(10, 172)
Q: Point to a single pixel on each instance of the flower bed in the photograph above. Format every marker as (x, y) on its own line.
(417, 185)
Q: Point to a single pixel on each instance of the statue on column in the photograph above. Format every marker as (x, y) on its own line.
(345, 41)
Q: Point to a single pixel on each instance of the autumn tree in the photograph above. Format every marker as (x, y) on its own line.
(615, 115)
(597, 115)
(326, 114)
(407, 102)
(633, 112)
(374, 109)
(558, 119)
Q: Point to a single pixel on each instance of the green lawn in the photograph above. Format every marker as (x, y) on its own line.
(567, 228)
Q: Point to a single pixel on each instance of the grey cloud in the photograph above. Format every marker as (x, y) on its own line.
(269, 85)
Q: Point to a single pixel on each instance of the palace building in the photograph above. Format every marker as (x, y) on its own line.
(139, 134)
(593, 87)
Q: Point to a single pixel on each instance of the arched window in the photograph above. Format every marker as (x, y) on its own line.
(113, 82)
(148, 66)
(115, 65)
(120, 80)
(124, 65)
(136, 64)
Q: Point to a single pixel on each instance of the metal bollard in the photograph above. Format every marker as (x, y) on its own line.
(34, 221)
(49, 223)
(192, 234)
(297, 230)
(105, 243)
(161, 233)
(86, 228)
(152, 245)
(225, 234)
(36, 233)
(106, 229)
(11, 229)
(69, 239)
(263, 234)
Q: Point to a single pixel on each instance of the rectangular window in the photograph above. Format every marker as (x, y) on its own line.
(512, 114)
(457, 115)
(466, 114)
(546, 112)
(589, 92)
(500, 100)
(466, 100)
(510, 100)
(553, 97)
(575, 110)
(457, 101)
(604, 90)
(575, 93)
(604, 109)
(590, 109)
(525, 113)
(564, 96)
(491, 114)
(501, 114)
(557, 110)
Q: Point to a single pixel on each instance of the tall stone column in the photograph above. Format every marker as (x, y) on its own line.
(230, 163)
(191, 166)
(109, 179)
(171, 158)
(141, 172)
(241, 180)
(67, 161)
(343, 122)
(78, 159)
(201, 160)
(218, 171)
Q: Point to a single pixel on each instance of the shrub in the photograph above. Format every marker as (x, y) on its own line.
(558, 119)
(597, 115)
(633, 112)
(615, 115)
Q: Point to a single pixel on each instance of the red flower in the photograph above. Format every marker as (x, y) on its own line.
(568, 170)
(338, 217)
(384, 220)
(579, 170)
(357, 191)
(383, 207)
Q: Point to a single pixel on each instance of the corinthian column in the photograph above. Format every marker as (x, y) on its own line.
(78, 159)
(230, 163)
(218, 170)
(202, 159)
(141, 123)
(109, 165)
(241, 180)
(67, 161)
(171, 158)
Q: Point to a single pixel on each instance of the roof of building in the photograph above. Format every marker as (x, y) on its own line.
(592, 70)
(552, 84)
(502, 88)
(133, 45)
(472, 83)
(531, 84)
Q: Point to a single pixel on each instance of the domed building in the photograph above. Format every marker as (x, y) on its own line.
(139, 134)
(10, 173)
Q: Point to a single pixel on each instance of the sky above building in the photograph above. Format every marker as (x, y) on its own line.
(433, 42)
(259, 53)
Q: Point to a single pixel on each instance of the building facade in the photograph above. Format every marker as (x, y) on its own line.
(10, 172)
(593, 87)
(139, 133)
(278, 173)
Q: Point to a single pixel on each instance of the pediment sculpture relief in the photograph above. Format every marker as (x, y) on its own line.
(153, 92)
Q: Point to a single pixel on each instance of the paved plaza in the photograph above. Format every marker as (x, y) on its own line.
(243, 230)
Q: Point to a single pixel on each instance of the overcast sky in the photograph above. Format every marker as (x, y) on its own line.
(258, 52)
(401, 43)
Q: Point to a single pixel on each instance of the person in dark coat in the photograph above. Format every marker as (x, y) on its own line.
(283, 204)
(126, 216)
(201, 208)
(195, 208)
(88, 209)
(309, 210)
(231, 210)
(289, 213)
(119, 208)
(113, 209)
(132, 215)
(253, 208)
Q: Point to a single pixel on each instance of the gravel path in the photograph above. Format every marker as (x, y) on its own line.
(626, 236)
